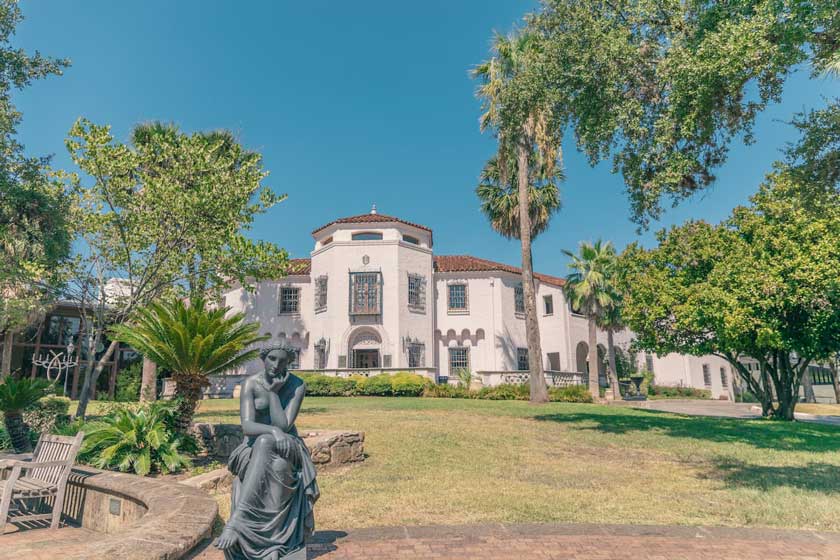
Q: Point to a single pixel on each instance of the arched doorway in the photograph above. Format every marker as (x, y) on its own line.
(581, 356)
(602, 366)
(365, 349)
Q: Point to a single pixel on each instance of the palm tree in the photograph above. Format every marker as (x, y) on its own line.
(520, 121)
(193, 342)
(16, 395)
(589, 291)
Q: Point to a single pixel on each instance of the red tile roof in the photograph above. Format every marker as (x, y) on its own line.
(370, 219)
(300, 267)
(466, 263)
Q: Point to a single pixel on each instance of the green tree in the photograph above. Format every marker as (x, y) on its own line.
(520, 120)
(33, 232)
(166, 214)
(193, 342)
(663, 88)
(17, 395)
(589, 290)
(762, 284)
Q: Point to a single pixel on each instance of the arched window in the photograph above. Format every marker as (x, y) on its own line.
(367, 236)
(411, 239)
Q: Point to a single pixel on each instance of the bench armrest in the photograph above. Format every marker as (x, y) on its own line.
(27, 465)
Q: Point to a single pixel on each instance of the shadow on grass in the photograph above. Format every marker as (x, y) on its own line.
(764, 434)
(816, 477)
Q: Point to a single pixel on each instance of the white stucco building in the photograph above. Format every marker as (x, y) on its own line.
(373, 296)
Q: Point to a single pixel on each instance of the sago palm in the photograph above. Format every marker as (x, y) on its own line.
(16, 395)
(520, 119)
(589, 290)
(193, 342)
(133, 441)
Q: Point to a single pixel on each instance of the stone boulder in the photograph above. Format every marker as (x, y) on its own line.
(327, 447)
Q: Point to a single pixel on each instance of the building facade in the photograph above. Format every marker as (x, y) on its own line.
(374, 297)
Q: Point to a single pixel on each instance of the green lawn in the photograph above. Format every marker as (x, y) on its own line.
(821, 409)
(441, 461)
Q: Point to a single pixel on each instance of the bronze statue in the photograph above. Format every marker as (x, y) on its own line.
(274, 486)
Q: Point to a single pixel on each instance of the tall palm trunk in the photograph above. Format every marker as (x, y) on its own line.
(6, 362)
(613, 373)
(188, 391)
(594, 387)
(539, 390)
(148, 382)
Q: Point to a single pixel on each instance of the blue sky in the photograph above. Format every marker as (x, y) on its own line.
(350, 103)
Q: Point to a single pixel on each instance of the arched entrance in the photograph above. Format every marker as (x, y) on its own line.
(581, 357)
(365, 349)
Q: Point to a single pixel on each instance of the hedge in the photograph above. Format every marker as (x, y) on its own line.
(668, 392)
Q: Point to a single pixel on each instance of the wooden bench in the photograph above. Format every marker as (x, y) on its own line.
(45, 476)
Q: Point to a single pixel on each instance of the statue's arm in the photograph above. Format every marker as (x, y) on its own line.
(278, 415)
(294, 403)
(248, 413)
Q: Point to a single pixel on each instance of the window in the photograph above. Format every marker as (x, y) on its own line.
(321, 354)
(411, 239)
(522, 359)
(326, 241)
(289, 299)
(365, 293)
(724, 381)
(548, 303)
(707, 376)
(320, 293)
(295, 363)
(416, 292)
(459, 358)
(367, 236)
(458, 297)
(554, 361)
(519, 298)
(416, 354)
(649, 363)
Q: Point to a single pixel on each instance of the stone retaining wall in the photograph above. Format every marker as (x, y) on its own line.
(327, 447)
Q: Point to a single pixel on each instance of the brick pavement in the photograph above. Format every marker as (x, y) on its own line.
(567, 542)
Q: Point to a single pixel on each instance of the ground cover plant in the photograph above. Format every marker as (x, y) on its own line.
(457, 461)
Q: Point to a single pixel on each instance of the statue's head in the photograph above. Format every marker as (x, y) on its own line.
(277, 359)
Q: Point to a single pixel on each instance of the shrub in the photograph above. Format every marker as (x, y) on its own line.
(445, 391)
(668, 392)
(572, 393)
(129, 380)
(405, 384)
(746, 397)
(465, 377)
(326, 386)
(5, 440)
(505, 392)
(48, 413)
(138, 441)
(378, 386)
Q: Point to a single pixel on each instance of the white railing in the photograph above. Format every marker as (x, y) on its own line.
(552, 378)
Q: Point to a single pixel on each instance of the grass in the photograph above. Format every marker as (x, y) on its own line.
(442, 461)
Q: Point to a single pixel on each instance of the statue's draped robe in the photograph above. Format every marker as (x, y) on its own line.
(277, 518)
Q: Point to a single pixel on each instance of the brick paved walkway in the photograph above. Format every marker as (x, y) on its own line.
(567, 542)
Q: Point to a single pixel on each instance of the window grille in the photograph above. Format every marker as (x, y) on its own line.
(519, 298)
(295, 363)
(416, 355)
(548, 302)
(289, 299)
(724, 381)
(320, 293)
(320, 356)
(417, 292)
(386, 360)
(458, 297)
(365, 293)
(459, 358)
(522, 359)
(707, 376)
(342, 361)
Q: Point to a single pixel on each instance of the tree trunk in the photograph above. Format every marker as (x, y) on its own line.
(18, 432)
(148, 383)
(91, 377)
(539, 390)
(594, 385)
(613, 372)
(6, 362)
(835, 378)
(188, 391)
